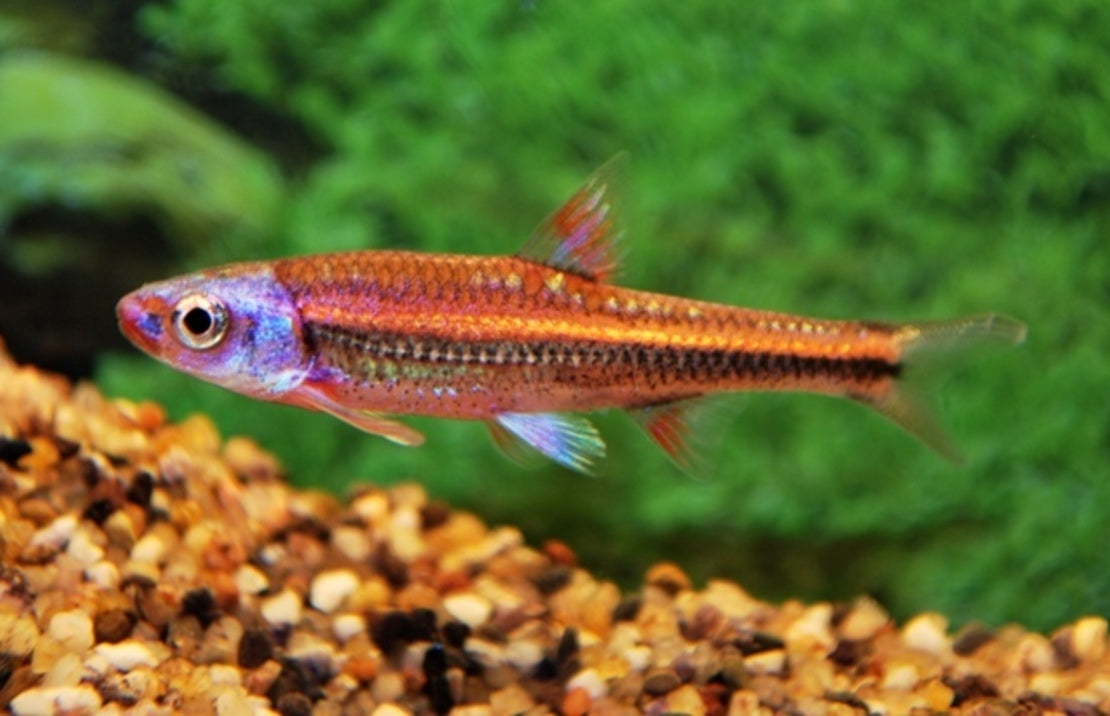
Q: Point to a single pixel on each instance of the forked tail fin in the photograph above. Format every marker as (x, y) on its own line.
(902, 403)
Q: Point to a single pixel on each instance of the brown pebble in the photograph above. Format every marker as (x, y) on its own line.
(113, 625)
(669, 577)
(970, 638)
(659, 681)
(38, 510)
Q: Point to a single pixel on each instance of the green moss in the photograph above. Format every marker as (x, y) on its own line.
(839, 159)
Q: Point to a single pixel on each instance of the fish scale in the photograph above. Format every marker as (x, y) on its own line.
(521, 342)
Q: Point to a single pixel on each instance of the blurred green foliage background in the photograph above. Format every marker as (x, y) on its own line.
(847, 158)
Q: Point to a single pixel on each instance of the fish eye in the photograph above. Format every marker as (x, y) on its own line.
(200, 321)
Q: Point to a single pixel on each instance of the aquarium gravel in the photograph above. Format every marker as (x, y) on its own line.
(151, 567)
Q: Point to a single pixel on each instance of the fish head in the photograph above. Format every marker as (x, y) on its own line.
(237, 327)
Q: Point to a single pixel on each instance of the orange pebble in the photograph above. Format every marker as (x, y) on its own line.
(576, 702)
(149, 416)
(361, 668)
(559, 553)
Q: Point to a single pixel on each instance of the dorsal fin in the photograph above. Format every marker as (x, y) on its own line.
(581, 236)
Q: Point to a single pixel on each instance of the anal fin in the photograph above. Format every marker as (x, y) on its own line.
(684, 429)
(570, 440)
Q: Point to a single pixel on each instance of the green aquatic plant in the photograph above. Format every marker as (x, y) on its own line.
(86, 136)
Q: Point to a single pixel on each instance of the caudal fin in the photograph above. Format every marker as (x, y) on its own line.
(919, 342)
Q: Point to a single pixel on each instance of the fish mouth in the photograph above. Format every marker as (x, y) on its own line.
(137, 321)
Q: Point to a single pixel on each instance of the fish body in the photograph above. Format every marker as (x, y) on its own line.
(522, 342)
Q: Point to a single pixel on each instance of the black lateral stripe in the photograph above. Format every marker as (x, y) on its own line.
(704, 364)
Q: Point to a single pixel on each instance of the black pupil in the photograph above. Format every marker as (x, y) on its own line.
(197, 321)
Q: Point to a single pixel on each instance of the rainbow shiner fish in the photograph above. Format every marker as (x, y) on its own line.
(525, 343)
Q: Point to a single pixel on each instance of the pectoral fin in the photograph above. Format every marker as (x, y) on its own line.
(569, 440)
(316, 398)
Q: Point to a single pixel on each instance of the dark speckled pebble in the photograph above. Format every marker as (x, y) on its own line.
(970, 638)
(456, 633)
(627, 609)
(99, 510)
(553, 579)
(848, 653)
(141, 489)
(968, 688)
(7, 666)
(12, 450)
(201, 604)
(661, 681)
(756, 642)
(848, 699)
(294, 680)
(436, 685)
(294, 704)
(396, 629)
(255, 648)
(434, 514)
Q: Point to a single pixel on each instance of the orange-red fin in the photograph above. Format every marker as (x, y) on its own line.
(919, 344)
(684, 429)
(581, 236)
(320, 399)
(569, 440)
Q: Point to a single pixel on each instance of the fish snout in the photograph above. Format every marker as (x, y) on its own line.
(140, 320)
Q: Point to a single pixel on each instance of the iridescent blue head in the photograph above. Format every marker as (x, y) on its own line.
(235, 326)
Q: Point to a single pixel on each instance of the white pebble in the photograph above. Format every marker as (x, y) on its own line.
(352, 542)
(127, 654)
(224, 675)
(83, 550)
(524, 654)
(74, 629)
(900, 677)
(250, 580)
(282, 608)
(589, 681)
(330, 589)
(813, 627)
(232, 703)
(772, 661)
(55, 534)
(469, 608)
(1088, 638)
(346, 626)
(150, 549)
(927, 633)
(81, 699)
(388, 709)
(104, 575)
(638, 657)
(66, 671)
(372, 507)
